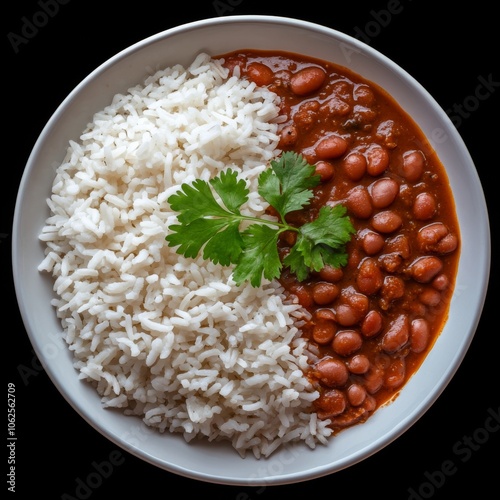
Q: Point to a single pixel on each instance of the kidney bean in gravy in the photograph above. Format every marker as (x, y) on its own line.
(373, 321)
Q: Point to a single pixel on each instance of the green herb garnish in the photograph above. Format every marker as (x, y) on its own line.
(213, 225)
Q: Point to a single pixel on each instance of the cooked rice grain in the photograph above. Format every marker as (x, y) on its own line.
(174, 340)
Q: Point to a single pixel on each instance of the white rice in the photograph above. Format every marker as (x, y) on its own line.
(174, 340)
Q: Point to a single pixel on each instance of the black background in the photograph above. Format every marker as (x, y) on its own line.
(449, 51)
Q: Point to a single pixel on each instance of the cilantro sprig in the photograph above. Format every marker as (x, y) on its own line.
(211, 224)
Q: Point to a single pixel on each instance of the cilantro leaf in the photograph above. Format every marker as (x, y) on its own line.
(211, 224)
(221, 240)
(195, 201)
(287, 185)
(233, 192)
(331, 227)
(205, 223)
(259, 257)
(321, 242)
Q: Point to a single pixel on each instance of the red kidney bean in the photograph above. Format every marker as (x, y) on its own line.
(347, 315)
(424, 206)
(331, 274)
(332, 372)
(413, 165)
(358, 202)
(260, 73)
(419, 335)
(356, 394)
(388, 131)
(354, 414)
(330, 403)
(324, 293)
(290, 237)
(391, 262)
(393, 288)
(370, 403)
(364, 115)
(335, 107)
(430, 297)
(358, 364)
(395, 373)
(436, 237)
(429, 236)
(325, 314)
(372, 324)
(399, 245)
(373, 379)
(357, 300)
(304, 295)
(347, 342)
(332, 146)
(323, 332)
(441, 282)
(325, 170)
(369, 279)
(354, 165)
(424, 269)
(377, 160)
(288, 136)
(384, 192)
(307, 80)
(355, 257)
(372, 242)
(363, 95)
(307, 115)
(387, 221)
(447, 245)
(397, 334)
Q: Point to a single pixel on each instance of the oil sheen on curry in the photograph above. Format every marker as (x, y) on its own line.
(373, 321)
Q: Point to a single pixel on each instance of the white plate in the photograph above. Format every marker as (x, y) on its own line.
(219, 462)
